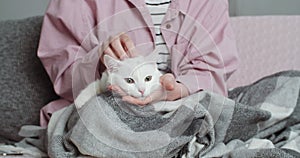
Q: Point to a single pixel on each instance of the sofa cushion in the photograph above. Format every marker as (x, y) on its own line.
(25, 86)
(266, 45)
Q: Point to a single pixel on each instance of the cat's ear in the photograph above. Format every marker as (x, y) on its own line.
(111, 63)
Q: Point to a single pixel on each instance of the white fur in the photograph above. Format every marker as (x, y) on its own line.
(135, 68)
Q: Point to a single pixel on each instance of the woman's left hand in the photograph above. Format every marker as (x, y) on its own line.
(170, 90)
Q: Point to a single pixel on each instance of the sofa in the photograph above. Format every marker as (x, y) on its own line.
(266, 44)
(25, 86)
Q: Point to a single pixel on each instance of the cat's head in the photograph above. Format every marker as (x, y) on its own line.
(138, 76)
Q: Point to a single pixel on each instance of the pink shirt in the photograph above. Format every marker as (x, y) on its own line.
(197, 33)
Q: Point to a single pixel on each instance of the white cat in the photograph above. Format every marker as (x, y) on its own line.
(138, 77)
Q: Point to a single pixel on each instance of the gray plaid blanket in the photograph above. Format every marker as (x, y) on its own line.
(259, 120)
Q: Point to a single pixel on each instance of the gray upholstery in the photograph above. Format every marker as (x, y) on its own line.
(25, 86)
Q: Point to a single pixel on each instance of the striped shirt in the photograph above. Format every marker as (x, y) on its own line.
(158, 9)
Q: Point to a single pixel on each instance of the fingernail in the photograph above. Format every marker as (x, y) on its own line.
(111, 88)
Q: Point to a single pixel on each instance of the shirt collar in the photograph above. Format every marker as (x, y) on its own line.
(137, 3)
(180, 5)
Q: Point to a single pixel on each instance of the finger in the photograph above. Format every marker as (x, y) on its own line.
(117, 89)
(113, 38)
(157, 95)
(133, 100)
(128, 45)
(118, 49)
(105, 49)
(168, 81)
(110, 87)
(108, 51)
(147, 100)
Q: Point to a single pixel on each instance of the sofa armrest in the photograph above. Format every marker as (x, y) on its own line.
(25, 85)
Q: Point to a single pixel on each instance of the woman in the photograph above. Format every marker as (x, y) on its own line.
(198, 50)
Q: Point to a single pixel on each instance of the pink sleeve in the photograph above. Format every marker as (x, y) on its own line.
(70, 63)
(217, 48)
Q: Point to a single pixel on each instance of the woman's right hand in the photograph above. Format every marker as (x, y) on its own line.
(119, 47)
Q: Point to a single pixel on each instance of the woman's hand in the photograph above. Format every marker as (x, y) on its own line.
(170, 90)
(119, 47)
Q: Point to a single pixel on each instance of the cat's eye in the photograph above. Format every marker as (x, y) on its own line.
(129, 80)
(148, 78)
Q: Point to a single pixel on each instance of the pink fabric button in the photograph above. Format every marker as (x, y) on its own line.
(168, 26)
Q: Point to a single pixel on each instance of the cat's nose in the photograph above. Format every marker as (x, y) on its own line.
(141, 91)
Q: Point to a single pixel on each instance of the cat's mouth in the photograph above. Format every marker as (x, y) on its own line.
(142, 97)
(139, 96)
